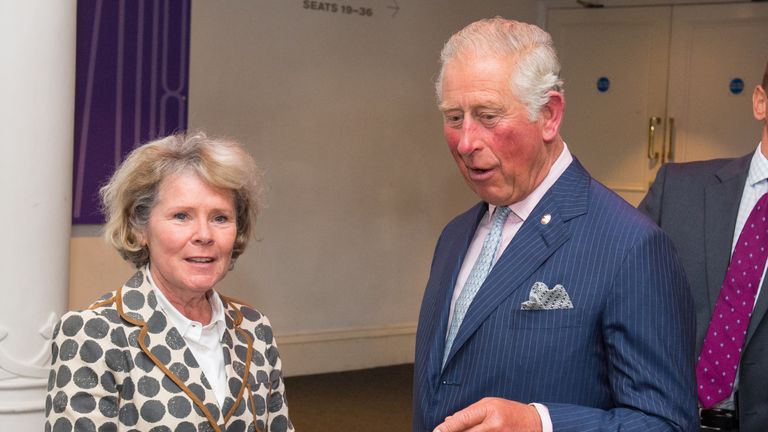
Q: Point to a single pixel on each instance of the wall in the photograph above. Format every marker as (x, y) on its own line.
(339, 111)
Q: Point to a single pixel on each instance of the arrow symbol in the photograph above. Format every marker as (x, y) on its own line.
(396, 7)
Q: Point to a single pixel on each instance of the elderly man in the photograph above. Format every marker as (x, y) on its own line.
(715, 212)
(552, 304)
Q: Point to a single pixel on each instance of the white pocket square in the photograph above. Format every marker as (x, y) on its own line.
(542, 297)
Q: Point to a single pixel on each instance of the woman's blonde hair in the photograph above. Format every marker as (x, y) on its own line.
(131, 193)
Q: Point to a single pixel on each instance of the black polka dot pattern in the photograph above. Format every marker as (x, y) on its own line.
(102, 380)
(72, 325)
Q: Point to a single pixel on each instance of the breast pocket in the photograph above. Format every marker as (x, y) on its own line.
(546, 319)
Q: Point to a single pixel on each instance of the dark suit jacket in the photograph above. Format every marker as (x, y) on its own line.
(621, 359)
(697, 204)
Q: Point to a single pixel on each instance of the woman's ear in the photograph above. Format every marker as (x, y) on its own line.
(141, 239)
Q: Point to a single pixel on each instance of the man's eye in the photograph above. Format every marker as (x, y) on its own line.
(489, 119)
(453, 120)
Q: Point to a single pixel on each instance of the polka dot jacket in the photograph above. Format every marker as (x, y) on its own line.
(120, 366)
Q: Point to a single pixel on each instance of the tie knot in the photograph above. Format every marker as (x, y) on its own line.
(501, 213)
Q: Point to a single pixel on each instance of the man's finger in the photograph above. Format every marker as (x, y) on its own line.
(462, 420)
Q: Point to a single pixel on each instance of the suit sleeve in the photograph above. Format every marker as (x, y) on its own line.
(651, 204)
(648, 332)
(82, 390)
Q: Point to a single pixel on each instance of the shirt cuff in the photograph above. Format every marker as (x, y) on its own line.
(546, 421)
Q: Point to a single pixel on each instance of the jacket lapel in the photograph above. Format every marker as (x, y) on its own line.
(721, 208)
(759, 312)
(457, 249)
(533, 244)
(164, 346)
(238, 355)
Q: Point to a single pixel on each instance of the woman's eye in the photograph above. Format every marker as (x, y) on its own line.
(181, 216)
(221, 219)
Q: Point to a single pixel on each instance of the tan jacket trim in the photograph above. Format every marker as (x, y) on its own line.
(247, 369)
(176, 379)
(119, 306)
(230, 300)
(102, 303)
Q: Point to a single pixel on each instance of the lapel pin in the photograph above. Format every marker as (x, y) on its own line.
(546, 218)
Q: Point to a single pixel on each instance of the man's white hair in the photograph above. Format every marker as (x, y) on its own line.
(537, 70)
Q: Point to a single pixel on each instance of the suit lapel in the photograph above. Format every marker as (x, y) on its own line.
(721, 208)
(533, 244)
(164, 346)
(457, 249)
(759, 313)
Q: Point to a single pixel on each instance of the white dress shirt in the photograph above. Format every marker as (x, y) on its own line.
(203, 341)
(517, 216)
(755, 187)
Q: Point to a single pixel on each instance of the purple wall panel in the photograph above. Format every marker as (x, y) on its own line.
(131, 87)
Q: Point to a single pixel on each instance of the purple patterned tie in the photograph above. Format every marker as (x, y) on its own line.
(720, 354)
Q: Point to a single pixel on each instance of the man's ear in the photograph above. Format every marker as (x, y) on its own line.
(759, 103)
(551, 116)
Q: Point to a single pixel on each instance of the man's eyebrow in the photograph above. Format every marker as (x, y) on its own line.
(444, 107)
(493, 105)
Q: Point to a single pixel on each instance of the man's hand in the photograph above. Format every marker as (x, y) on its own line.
(493, 414)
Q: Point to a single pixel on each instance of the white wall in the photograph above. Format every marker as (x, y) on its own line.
(340, 113)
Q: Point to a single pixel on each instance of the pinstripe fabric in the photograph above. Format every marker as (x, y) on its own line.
(480, 270)
(622, 359)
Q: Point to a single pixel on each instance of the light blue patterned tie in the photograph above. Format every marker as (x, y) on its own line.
(479, 272)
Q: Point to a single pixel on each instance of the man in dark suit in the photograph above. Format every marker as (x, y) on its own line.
(552, 304)
(706, 207)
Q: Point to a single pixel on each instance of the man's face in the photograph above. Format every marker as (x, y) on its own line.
(760, 111)
(502, 155)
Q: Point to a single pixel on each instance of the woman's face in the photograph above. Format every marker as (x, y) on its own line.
(190, 235)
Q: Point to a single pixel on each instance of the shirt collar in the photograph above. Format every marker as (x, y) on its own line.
(524, 207)
(758, 168)
(184, 324)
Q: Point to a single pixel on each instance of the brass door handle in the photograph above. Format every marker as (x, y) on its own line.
(671, 149)
(652, 122)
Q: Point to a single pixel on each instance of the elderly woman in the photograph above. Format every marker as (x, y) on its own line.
(166, 352)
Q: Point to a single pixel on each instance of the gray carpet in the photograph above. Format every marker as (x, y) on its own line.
(370, 400)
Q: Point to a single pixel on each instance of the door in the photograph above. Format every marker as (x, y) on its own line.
(679, 84)
(714, 49)
(614, 65)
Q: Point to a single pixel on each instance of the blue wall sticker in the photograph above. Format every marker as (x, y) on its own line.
(603, 84)
(736, 86)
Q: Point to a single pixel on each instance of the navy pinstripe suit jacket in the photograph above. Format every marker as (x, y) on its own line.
(621, 359)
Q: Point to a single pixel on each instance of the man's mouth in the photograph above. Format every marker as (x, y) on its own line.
(479, 170)
(478, 173)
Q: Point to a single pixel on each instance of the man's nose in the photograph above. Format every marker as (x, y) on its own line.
(468, 138)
